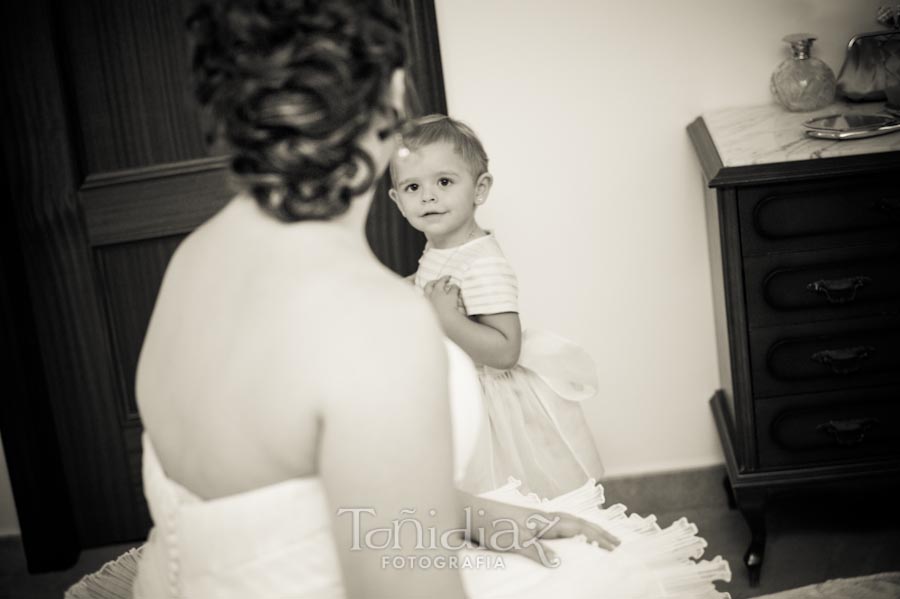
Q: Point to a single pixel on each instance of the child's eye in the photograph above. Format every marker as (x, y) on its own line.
(411, 187)
(444, 182)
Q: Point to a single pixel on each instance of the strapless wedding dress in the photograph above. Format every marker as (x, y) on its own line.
(276, 541)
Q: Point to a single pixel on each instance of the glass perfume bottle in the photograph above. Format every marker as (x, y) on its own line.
(803, 83)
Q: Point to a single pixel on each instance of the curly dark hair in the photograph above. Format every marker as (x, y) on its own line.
(292, 85)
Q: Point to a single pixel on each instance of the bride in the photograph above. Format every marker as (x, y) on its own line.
(297, 396)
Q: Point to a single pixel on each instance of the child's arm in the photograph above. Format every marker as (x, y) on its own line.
(493, 339)
(490, 339)
(532, 526)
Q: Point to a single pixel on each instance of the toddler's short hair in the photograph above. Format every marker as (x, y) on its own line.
(435, 128)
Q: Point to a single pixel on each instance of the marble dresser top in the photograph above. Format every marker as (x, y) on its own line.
(770, 134)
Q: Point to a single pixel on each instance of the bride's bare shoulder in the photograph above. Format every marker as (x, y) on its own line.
(365, 324)
(363, 291)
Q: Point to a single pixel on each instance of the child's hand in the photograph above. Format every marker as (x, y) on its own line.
(444, 296)
(533, 526)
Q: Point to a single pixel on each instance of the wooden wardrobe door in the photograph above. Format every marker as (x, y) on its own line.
(109, 172)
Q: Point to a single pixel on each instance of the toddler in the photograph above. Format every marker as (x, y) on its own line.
(532, 382)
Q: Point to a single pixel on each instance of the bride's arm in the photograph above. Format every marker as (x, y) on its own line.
(386, 450)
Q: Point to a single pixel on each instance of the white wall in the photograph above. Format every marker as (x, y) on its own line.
(582, 106)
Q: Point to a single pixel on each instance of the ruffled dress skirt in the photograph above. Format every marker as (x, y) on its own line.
(650, 563)
(537, 432)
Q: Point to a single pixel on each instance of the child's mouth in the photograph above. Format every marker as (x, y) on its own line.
(433, 214)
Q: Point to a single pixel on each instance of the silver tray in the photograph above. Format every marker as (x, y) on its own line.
(851, 126)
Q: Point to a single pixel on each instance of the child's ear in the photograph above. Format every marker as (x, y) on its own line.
(392, 193)
(483, 188)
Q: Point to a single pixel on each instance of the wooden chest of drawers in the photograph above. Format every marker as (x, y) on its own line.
(805, 255)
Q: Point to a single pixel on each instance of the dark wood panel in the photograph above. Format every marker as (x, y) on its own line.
(714, 240)
(797, 287)
(135, 451)
(738, 357)
(882, 472)
(825, 356)
(30, 100)
(41, 496)
(424, 67)
(829, 428)
(822, 214)
(154, 202)
(80, 374)
(393, 241)
(73, 353)
(130, 60)
(130, 275)
(28, 96)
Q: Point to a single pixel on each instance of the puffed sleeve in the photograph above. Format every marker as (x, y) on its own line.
(489, 286)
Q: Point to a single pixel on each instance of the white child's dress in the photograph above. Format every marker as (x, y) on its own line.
(537, 431)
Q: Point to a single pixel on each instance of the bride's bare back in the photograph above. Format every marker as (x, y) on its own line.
(279, 351)
(256, 325)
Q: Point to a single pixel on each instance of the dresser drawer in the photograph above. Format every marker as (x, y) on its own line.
(824, 356)
(820, 214)
(828, 428)
(800, 287)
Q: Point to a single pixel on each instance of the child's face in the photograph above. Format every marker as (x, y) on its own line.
(437, 193)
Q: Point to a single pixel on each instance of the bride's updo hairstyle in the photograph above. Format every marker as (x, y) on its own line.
(291, 85)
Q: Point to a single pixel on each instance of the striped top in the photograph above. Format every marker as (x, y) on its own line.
(486, 281)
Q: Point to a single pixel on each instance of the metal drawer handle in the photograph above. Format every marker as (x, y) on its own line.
(839, 291)
(848, 432)
(843, 361)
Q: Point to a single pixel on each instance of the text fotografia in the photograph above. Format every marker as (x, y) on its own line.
(501, 534)
(480, 560)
